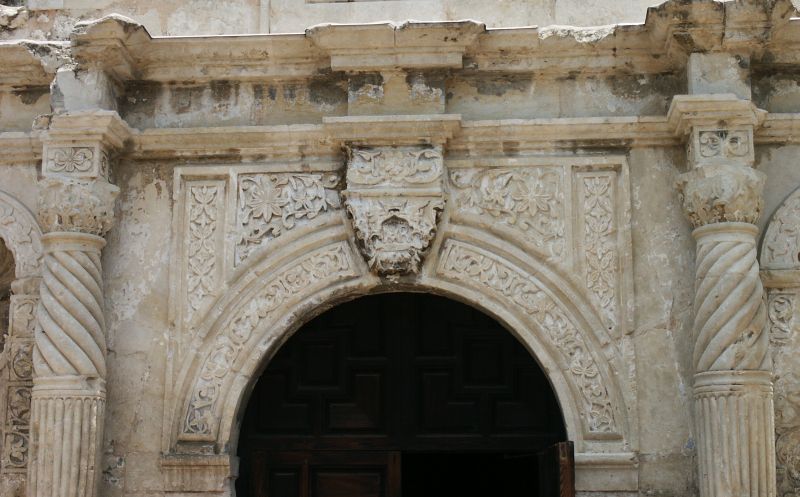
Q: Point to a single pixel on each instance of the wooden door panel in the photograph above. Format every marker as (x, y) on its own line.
(327, 474)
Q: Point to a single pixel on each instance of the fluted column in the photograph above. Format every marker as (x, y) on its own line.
(722, 197)
(76, 208)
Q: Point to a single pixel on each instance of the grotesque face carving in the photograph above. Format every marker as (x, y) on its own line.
(396, 207)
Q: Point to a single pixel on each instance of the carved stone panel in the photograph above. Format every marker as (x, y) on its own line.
(204, 211)
(573, 212)
(270, 204)
(529, 200)
(395, 197)
(17, 384)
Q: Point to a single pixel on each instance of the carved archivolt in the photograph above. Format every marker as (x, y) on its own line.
(781, 246)
(22, 235)
(257, 315)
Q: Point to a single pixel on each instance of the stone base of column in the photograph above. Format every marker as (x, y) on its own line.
(67, 415)
(736, 433)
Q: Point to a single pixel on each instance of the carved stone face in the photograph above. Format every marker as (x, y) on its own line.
(395, 222)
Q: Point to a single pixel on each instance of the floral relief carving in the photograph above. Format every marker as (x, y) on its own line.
(22, 360)
(723, 143)
(781, 247)
(19, 406)
(395, 198)
(270, 204)
(463, 263)
(394, 166)
(15, 451)
(201, 246)
(76, 205)
(70, 160)
(599, 242)
(780, 312)
(320, 267)
(719, 193)
(529, 199)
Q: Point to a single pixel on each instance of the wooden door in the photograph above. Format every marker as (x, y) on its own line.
(327, 474)
(557, 470)
(386, 375)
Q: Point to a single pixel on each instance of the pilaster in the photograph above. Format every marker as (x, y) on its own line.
(722, 197)
(76, 209)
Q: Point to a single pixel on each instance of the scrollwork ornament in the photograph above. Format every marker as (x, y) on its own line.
(722, 193)
(780, 311)
(74, 205)
(723, 143)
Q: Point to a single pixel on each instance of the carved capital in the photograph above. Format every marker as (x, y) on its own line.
(722, 193)
(76, 205)
(395, 197)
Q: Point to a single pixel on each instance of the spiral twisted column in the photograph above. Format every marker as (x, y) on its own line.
(722, 197)
(69, 358)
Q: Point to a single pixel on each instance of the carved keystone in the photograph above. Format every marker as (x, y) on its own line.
(395, 197)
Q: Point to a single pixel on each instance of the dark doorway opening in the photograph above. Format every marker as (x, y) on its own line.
(402, 394)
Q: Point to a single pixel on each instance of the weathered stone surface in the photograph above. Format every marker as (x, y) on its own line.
(246, 183)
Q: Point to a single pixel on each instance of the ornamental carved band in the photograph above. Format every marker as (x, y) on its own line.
(395, 198)
(70, 339)
(730, 315)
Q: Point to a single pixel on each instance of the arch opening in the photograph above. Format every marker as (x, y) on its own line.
(389, 393)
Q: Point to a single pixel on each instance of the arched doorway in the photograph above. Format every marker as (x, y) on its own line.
(401, 393)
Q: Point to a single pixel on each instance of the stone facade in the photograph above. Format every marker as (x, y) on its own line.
(625, 199)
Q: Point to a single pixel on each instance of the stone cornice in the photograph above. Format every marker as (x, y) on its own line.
(764, 33)
(28, 63)
(392, 130)
(103, 126)
(688, 111)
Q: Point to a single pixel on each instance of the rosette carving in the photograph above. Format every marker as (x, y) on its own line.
(70, 339)
(85, 206)
(722, 193)
(730, 315)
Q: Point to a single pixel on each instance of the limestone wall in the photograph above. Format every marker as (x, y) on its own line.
(566, 109)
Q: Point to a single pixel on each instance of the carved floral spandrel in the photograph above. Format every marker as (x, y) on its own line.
(270, 204)
(202, 204)
(599, 239)
(463, 263)
(529, 199)
(319, 267)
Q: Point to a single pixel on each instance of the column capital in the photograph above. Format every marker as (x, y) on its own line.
(76, 205)
(78, 144)
(721, 193)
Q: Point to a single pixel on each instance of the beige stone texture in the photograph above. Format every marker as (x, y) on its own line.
(574, 180)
